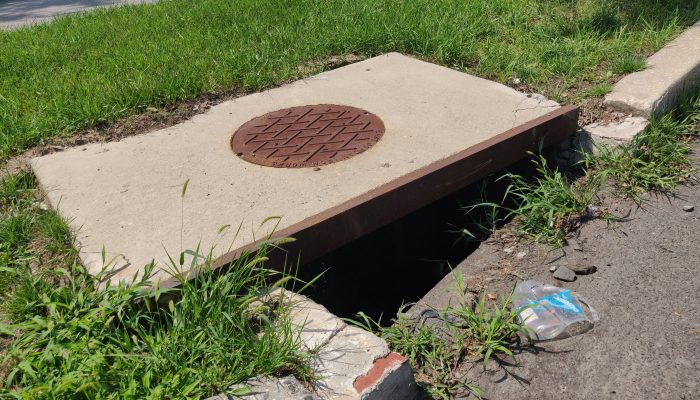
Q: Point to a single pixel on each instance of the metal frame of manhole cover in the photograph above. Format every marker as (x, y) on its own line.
(307, 136)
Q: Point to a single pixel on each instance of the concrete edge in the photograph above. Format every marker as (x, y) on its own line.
(351, 363)
(672, 72)
(622, 132)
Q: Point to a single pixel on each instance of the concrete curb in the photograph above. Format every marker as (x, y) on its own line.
(590, 137)
(350, 362)
(672, 71)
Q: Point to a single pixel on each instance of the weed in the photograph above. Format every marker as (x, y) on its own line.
(656, 160)
(71, 335)
(82, 341)
(485, 216)
(24, 227)
(435, 353)
(493, 329)
(465, 333)
(548, 206)
(599, 90)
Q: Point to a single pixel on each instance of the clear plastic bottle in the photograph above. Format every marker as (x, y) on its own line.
(551, 312)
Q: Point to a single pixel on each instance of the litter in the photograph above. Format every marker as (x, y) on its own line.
(550, 312)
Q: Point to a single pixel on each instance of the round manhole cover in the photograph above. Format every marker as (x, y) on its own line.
(307, 136)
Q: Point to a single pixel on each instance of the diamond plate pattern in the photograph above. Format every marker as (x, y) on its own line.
(307, 136)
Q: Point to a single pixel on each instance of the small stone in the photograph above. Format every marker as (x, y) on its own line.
(584, 269)
(508, 250)
(688, 208)
(552, 268)
(565, 274)
(591, 211)
(521, 254)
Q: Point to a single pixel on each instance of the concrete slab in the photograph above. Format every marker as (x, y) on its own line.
(621, 131)
(17, 13)
(351, 354)
(443, 130)
(670, 72)
(316, 324)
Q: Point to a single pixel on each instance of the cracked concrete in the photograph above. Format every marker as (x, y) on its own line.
(343, 354)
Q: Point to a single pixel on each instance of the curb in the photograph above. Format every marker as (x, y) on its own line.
(672, 71)
(350, 362)
(670, 74)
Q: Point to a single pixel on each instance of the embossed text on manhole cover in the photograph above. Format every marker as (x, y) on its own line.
(307, 136)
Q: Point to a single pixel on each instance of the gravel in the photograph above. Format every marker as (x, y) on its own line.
(565, 274)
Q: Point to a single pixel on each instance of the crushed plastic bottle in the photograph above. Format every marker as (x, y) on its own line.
(550, 312)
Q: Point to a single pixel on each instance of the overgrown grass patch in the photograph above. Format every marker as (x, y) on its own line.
(30, 235)
(66, 334)
(657, 159)
(92, 69)
(549, 204)
(545, 206)
(466, 333)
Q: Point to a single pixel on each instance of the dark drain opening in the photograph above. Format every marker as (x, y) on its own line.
(402, 261)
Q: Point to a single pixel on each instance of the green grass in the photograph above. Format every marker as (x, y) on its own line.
(657, 159)
(29, 235)
(64, 336)
(549, 204)
(465, 333)
(89, 70)
(599, 90)
(546, 206)
(627, 63)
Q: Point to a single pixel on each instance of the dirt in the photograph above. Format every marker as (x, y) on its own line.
(648, 340)
(151, 119)
(593, 110)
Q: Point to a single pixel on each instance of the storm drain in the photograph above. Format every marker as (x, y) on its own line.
(440, 131)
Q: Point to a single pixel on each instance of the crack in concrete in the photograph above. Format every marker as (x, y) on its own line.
(539, 98)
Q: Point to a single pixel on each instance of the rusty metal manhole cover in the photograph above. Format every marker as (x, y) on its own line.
(307, 136)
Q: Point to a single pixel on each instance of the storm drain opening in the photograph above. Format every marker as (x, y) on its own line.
(401, 262)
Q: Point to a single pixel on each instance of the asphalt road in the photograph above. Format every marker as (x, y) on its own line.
(15, 13)
(646, 290)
